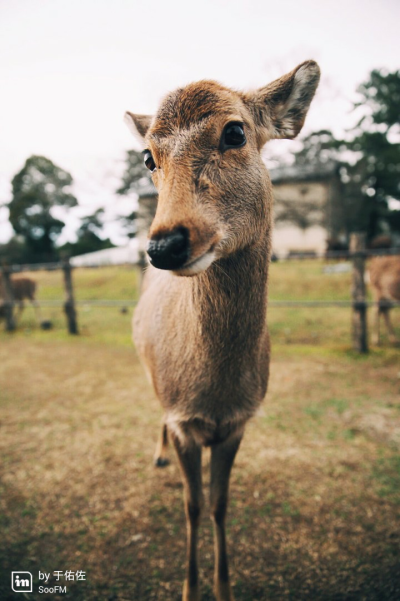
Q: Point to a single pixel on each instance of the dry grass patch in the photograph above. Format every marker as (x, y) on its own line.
(315, 491)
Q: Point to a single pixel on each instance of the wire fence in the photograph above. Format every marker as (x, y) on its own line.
(358, 302)
(271, 303)
(298, 256)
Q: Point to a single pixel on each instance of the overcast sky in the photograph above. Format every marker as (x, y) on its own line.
(70, 68)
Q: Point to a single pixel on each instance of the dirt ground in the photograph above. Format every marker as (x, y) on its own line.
(315, 495)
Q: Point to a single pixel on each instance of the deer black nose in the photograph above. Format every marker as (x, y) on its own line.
(170, 251)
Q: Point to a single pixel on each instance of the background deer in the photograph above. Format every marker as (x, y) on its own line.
(22, 288)
(384, 275)
(200, 326)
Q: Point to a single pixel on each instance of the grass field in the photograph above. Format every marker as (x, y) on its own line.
(315, 492)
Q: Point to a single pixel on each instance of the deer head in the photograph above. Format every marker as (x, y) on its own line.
(203, 150)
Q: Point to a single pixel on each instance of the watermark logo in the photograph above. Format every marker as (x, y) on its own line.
(21, 582)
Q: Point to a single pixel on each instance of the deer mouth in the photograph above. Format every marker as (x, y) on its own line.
(197, 265)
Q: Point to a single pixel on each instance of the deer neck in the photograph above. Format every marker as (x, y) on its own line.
(230, 298)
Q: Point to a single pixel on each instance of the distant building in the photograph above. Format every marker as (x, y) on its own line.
(307, 208)
(109, 256)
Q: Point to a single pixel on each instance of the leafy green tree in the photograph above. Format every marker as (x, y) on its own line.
(380, 100)
(318, 149)
(129, 224)
(368, 159)
(136, 176)
(15, 251)
(374, 174)
(37, 189)
(88, 236)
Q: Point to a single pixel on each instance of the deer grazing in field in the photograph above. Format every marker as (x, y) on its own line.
(384, 276)
(22, 288)
(200, 325)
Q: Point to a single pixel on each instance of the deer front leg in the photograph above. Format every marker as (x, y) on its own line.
(222, 458)
(189, 455)
(160, 455)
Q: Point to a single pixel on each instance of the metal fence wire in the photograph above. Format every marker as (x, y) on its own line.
(358, 255)
(275, 257)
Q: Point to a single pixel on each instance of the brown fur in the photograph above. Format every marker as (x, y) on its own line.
(203, 339)
(384, 275)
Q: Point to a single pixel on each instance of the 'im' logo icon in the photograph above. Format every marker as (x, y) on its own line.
(21, 582)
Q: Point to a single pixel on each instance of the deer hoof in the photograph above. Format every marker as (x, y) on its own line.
(223, 592)
(190, 594)
(161, 461)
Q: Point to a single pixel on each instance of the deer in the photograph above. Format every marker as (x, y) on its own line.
(200, 325)
(384, 277)
(22, 288)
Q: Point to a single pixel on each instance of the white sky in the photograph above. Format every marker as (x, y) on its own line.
(70, 68)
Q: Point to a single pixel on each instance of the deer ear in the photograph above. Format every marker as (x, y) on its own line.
(138, 125)
(280, 108)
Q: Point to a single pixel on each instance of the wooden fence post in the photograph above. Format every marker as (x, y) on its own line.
(69, 305)
(8, 305)
(359, 318)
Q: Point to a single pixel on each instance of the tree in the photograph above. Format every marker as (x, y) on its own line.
(380, 100)
(368, 158)
(129, 223)
(318, 149)
(15, 251)
(37, 189)
(89, 236)
(375, 145)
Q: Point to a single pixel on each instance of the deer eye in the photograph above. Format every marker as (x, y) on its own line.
(233, 136)
(149, 161)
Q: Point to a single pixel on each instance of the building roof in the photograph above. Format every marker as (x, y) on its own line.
(287, 173)
(109, 256)
(297, 173)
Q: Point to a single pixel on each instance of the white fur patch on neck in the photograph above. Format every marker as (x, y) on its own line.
(198, 265)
